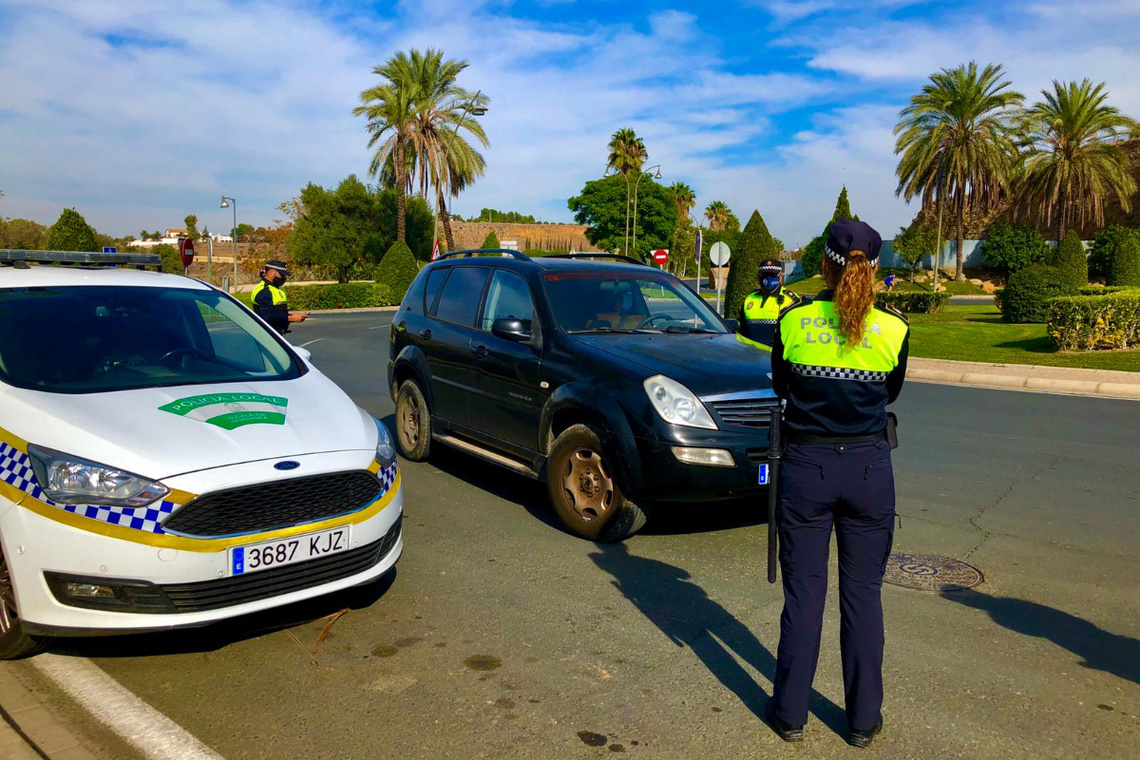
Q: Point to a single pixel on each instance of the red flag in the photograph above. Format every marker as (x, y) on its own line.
(435, 251)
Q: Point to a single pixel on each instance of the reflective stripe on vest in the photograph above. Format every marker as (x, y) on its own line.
(816, 348)
(277, 293)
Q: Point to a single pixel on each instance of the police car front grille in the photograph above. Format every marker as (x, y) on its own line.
(278, 504)
(242, 589)
(753, 413)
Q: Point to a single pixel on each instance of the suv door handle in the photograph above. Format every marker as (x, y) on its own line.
(480, 352)
(426, 333)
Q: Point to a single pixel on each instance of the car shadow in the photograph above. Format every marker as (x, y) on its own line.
(688, 617)
(219, 635)
(679, 518)
(1099, 649)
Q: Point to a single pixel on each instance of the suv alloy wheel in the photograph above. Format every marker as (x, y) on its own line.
(583, 491)
(413, 422)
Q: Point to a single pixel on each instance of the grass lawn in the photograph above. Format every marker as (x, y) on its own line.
(976, 333)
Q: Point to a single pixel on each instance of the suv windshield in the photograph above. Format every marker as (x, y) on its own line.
(596, 302)
(93, 339)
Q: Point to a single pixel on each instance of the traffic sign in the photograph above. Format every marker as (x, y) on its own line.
(661, 255)
(110, 249)
(719, 254)
(186, 251)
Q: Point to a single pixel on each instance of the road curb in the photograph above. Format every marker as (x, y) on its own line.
(1029, 377)
(28, 730)
(353, 311)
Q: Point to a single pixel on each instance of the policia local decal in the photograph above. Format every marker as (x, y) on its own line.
(231, 410)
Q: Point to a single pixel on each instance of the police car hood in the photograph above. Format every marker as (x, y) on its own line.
(705, 364)
(163, 432)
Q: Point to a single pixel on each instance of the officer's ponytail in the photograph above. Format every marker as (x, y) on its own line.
(854, 295)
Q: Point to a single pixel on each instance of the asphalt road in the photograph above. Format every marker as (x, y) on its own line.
(503, 637)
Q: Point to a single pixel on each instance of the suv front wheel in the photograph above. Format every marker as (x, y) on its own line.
(584, 492)
(413, 422)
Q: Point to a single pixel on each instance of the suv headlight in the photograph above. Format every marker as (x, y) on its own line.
(676, 404)
(68, 479)
(385, 452)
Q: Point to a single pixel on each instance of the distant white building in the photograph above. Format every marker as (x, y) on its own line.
(222, 238)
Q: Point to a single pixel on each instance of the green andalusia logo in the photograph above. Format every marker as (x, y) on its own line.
(231, 410)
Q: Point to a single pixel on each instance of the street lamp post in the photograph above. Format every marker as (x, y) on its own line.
(232, 203)
(469, 107)
(641, 174)
(625, 242)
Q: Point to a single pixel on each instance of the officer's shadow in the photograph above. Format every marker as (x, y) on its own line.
(685, 613)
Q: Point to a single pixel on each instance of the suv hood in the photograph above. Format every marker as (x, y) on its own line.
(705, 364)
(162, 432)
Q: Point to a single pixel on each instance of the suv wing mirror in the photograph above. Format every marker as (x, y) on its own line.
(732, 325)
(509, 328)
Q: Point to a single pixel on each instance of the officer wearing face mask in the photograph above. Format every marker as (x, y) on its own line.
(763, 306)
(269, 298)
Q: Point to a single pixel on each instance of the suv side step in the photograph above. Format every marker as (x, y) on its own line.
(488, 455)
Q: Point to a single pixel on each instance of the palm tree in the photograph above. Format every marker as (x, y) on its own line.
(717, 213)
(685, 198)
(627, 155)
(390, 108)
(1073, 160)
(956, 141)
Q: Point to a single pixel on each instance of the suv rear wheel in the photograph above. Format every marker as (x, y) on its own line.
(14, 643)
(584, 492)
(413, 422)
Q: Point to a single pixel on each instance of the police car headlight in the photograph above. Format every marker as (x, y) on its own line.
(68, 479)
(385, 452)
(676, 404)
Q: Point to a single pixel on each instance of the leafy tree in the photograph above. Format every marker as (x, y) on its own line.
(956, 142)
(339, 230)
(1012, 247)
(1103, 249)
(756, 244)
(491, 241)
(243, 232)
(601, 206)
(23, 234)
(1126, 264)
(192, 227)
(397, 269)
(1070, 258)
(171, 261)
(71, 233)
(1074, 159)
(914, 242)
(494, 215)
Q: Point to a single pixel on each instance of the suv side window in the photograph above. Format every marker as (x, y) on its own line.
(508, 296)
(460, 298)
(434, 283)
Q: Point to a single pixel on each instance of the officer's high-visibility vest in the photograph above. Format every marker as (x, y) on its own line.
(816, 348)
(277, 293)
(761, 313)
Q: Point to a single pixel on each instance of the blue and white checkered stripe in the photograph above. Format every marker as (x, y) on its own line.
(387, 476)
(839, 373)
(16, 471)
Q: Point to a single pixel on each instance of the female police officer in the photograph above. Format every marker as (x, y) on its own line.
(838, 361)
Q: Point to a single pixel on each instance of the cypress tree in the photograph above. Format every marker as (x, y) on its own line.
(71, 233)
(397, 269)
(491, 241)
(1126, 262)
(1070, 258)
(813, 256)
(756, 244)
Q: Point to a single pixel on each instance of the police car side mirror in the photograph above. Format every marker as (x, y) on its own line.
(732, 325)
(304, 353)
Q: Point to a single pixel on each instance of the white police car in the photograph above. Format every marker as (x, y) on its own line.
(168, 460)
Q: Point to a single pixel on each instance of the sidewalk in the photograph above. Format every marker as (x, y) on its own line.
(28, 731)
(1027, 377)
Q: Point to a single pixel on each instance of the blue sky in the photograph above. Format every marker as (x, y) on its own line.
(138, 112)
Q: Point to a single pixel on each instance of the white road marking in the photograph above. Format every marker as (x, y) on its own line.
(309, 343)
(136, 722)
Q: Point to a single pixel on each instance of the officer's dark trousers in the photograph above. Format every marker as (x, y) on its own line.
(851, 486)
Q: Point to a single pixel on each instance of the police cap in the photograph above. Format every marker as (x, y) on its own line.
(847, 235)
(278, 266)
(770, 267)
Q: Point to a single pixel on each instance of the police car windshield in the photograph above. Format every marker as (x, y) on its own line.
(93, 339)
(626, 302)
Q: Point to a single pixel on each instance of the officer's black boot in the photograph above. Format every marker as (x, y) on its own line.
(783, 729)
(863, 739)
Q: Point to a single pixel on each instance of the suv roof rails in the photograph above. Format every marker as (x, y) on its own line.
(472, 251)
(618, 256)
(17, 257)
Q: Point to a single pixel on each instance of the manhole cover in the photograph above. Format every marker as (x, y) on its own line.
(930, 572)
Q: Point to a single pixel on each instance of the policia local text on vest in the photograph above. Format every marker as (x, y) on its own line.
(763, 306)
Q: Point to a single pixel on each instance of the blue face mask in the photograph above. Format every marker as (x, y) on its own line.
(770, 284)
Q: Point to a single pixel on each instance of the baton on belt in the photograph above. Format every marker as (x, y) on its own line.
(774, 454)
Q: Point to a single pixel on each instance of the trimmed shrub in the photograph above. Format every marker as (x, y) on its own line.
(914, 303)
(1011, 247)
(1026, 296)
(1103, 249)
(72, 233)
(756, 244)
(352, 295)
(1070, 258)
(397, 270)
(1103, 290)
(1086, 323)
(491, 241)
(1126, 262)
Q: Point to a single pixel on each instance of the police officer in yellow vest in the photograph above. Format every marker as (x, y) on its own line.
(269, 300)
(763, 306)
(837, 361)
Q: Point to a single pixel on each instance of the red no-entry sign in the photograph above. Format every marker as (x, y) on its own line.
(186, 251)
(661, 255)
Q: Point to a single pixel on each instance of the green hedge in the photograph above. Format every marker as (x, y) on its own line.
(353, 295)
(1084, 323)
(1026, 296)
(914, 303)
(1103, 290)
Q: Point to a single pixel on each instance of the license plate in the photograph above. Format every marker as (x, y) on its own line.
(763, 476)
(286, 551)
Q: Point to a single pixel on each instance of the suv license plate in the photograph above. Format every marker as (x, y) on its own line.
(286, 551)
(763, 476)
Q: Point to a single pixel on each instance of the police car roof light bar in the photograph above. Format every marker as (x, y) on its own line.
(618, 256)
(80, 257)
(474, 251)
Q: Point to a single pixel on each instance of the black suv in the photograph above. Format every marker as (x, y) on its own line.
(612, 382)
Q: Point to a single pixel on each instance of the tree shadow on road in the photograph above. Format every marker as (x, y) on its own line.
(1099, 649)
(683, 611)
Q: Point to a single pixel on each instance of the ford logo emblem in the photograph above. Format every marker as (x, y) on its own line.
(286, 465)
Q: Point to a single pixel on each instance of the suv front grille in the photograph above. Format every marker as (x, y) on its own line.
(274, 505)
(754, 412)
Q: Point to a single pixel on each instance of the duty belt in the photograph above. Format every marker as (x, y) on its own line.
(807, 439)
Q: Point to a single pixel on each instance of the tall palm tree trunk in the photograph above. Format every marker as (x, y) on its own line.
(401, 189)
(960, 240)
(445, 218)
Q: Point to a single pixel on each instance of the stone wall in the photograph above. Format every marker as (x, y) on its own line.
(561, 237)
